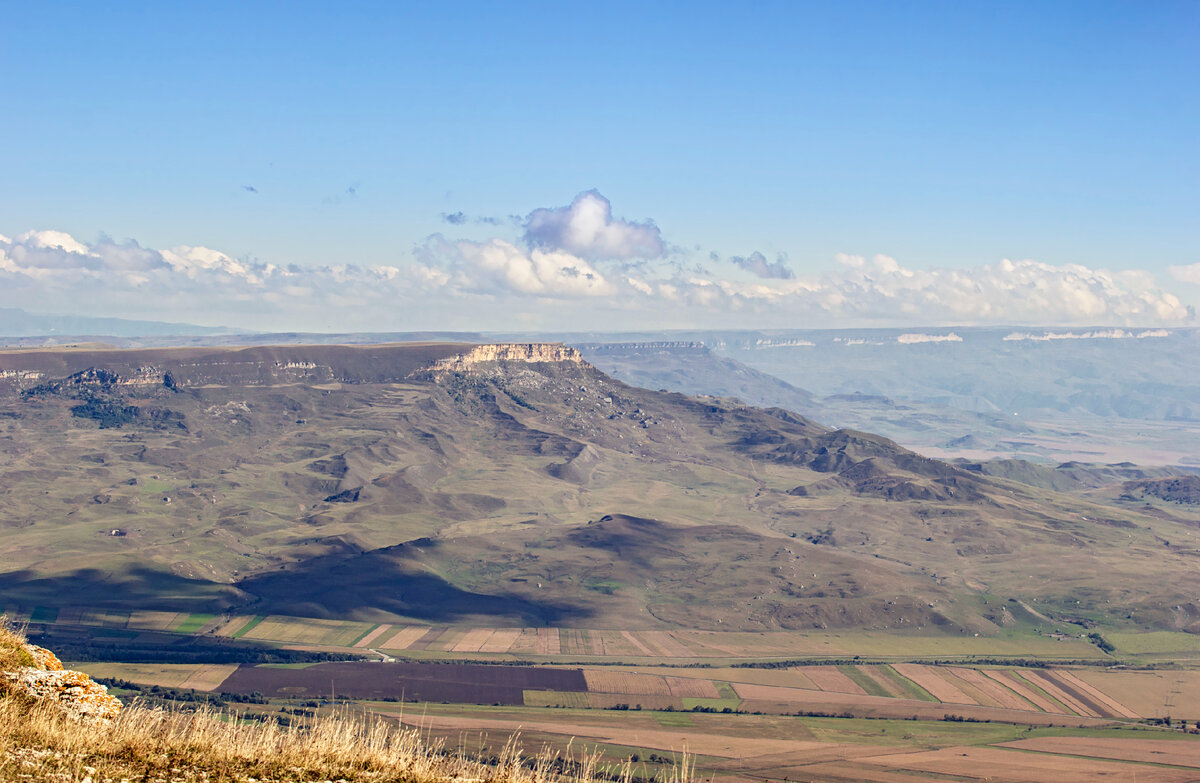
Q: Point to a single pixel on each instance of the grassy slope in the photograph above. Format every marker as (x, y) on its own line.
(231, 513)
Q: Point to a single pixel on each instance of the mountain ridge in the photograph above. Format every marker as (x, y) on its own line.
(360, 482)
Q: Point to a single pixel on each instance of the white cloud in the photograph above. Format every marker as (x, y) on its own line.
(586, 229)
(496, 263)
(53, 240)
(756, 263)
(51, 271)
(1186, 274)
(912, 339)
(580, 267)
(1098, 334)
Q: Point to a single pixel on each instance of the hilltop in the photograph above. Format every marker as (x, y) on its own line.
(520, 486)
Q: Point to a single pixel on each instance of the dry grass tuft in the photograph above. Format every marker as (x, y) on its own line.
(176, 747)
(13, 654)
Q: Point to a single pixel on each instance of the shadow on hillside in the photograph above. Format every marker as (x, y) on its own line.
(335, 587)
(383, 581)
(136, 588)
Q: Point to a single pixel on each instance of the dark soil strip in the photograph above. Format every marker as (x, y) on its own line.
(1082, 698)
(429, 638)
(456, 683)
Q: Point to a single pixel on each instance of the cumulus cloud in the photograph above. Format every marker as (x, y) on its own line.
(499, 267)
(587, 229)
(756, 263)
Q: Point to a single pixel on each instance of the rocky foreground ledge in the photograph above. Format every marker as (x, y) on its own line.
(46, 681)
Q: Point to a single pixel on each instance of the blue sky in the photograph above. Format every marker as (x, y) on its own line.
(945, 136)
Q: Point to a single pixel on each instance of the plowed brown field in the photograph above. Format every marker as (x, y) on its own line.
(1010, 766)
(929, 678)
(828, 678)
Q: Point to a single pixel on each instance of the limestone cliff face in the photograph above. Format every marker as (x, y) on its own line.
(76, 693)
(528, 353)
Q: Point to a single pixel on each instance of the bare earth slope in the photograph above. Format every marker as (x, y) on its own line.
(519, 485)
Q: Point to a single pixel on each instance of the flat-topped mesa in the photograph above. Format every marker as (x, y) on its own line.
(528, 353)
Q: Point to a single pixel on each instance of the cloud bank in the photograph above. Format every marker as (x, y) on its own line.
(572, 267)
(913, 339)
(1099, 334)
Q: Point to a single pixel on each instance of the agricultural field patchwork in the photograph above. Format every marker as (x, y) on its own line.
(1081, 696)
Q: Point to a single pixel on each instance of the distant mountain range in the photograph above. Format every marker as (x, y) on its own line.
(19, 323)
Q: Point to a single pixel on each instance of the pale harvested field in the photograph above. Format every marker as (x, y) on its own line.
(931, 680)
(636, 736)
(775, 699)
(829, 678)
(1009, 679)
(1010, 766)
(666, 642)
(153, 621)
(208, 676)
(555, 699)
(472, 640)
(968, 687)
(692, 688)
(637, 643)
(167, 675)
(709, 643)
(578, 641)
(526, 642)
(1151, 694)
(372, 636)
(1180, 752)
(103, 618)
(631, 683)
(1113, 706)
(233, 625)
(548, 641)
(402, 639)
(443, 639)
(999, 695)
(791, 678)
(614, 644)
(1047, 683)
(310, 631)
(500, 641)
(626, 683)
(853, 772)
(867, 643)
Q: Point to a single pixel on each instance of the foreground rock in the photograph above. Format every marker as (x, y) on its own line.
(75, 692)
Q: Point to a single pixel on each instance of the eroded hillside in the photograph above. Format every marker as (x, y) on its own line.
(519, 485)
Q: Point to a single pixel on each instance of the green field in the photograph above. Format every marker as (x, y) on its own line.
(194, 622)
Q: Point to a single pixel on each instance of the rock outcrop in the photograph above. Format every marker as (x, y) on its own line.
(528, 353)
(76, 693)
